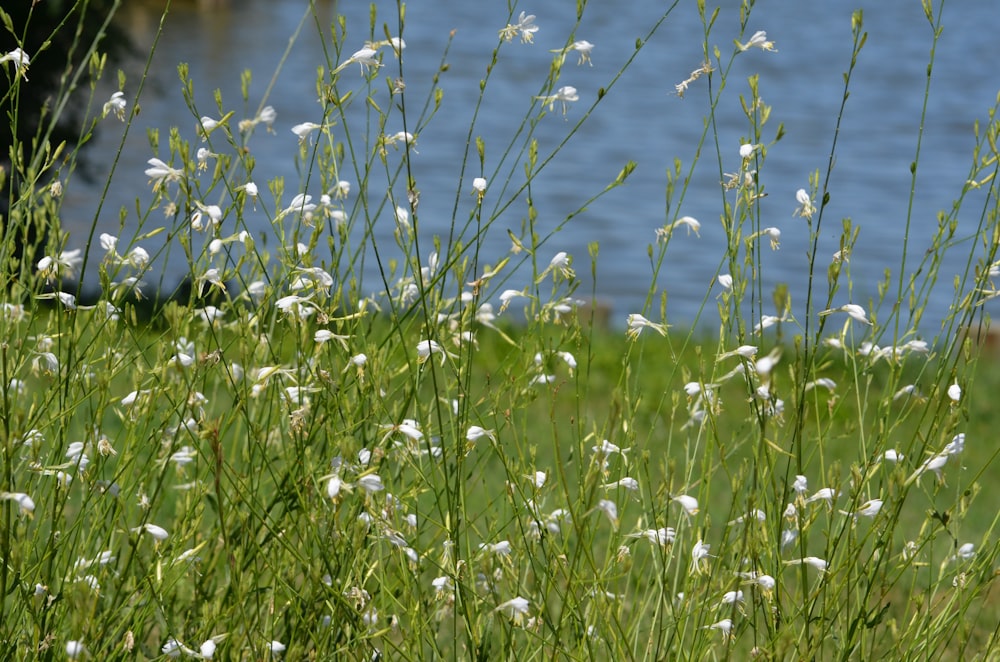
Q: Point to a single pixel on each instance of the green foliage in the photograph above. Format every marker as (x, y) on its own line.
(280, 463)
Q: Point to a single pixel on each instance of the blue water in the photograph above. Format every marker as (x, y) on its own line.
(640, 119)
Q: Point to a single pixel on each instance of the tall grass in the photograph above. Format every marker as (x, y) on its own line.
(464, 464)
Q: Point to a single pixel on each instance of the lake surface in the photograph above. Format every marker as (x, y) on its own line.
(640, 119)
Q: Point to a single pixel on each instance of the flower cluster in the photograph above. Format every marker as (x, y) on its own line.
(285, 463)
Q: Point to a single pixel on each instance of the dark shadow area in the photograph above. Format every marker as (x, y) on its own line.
(57, 36)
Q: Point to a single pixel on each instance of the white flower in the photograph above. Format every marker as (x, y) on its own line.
(560, 264)
(855, 311)
(934, 463)
(747, 150)
(507, 296)
(251, 190)
(765, 582)
(610, 509)
(479, 187)
(158, 533)
(75, 649)
(370, 617)
(267, 115)
(402, 217)
(806, 208)
(801, 484)
(515, 607)
(276, 647)
(691, 223)
(965, 552)
(501, 548)
(824, 382)
(132, 398)
(726, 281)
(427, 347)
(662, 536)
(108, 242)
(774, 234)
(568, 358)
(476, 433)
(304, 129)
(525, 27)
(407, 139)
(564, 95)
(186, 455)
(826, 494)
(174, 648)
(22, 61)
(746, 351)
(207, 649)
(138, 257)
(814, 561)
(396, 43)
(68, 301)
(956, 445)
(765, 364)
(23, 501)
(206, 125)
(313, 277)
(116, 104)
(103, 558)
(918, 346)
(628, 483)
(203, 155)
(756, 514)
(543, 379)
(366, 57)
(688, 503)
(698, 553)
(869, 508)
(294, 304)
(758, 40)
(724, 626)
(607, 448)
(334, 486)
(212, 212)
(210, 314)
(213, 277)
(443, 585)
(892, 455)
(300, 204)
(326, 335)
(583, 47)
(636, 323)
(371, 483)
(682, 86)
(159, 173)
(955, 392)
(65, 264)
(75, 452)
(766, 322)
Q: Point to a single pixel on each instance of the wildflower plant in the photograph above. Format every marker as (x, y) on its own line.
(455, 460)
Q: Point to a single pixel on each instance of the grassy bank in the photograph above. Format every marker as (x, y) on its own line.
(332, 517)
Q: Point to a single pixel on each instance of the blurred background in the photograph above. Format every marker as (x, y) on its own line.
(641, 119)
